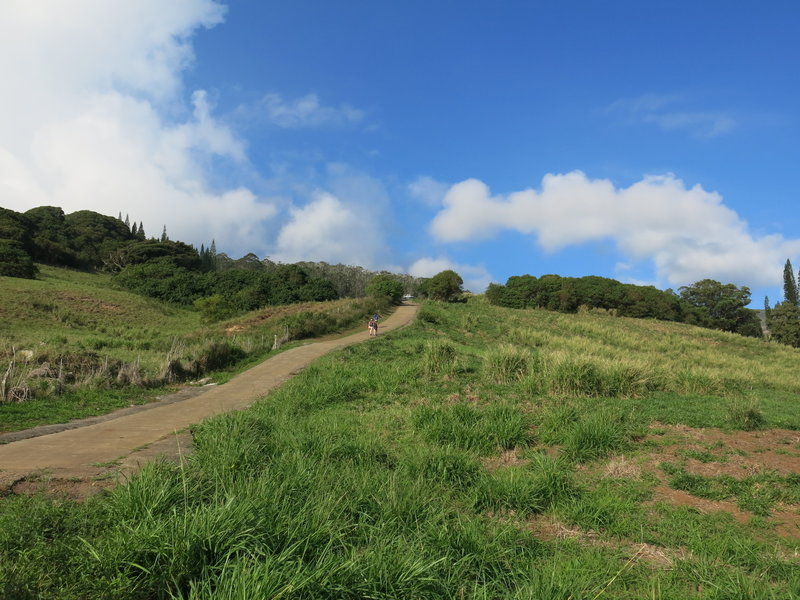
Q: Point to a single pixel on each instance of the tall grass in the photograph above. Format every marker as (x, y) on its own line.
(505, 363)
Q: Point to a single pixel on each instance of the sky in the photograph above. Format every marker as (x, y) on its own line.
(655, 143)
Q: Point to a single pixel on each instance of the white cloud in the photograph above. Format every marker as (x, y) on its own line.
(327, 229)
(94, 118)
(307, 111)
(671, 112)
(688, 233)
(428, 190)
(476, 277)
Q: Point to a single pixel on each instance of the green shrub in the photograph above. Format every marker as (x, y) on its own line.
(214, 308)
(218, 355)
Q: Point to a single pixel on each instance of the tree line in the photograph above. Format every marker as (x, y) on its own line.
(176, 272)
(783, 319)
(707, 303)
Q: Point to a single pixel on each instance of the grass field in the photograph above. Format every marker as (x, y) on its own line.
(481, 453)
(96, 349)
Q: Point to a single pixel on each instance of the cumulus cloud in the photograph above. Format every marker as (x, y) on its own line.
(95, 117)
(476, 277)
(673, 112)
(687, 233)
(330, 230)
(308, 111)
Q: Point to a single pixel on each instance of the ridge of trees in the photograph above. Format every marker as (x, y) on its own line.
(706, 303)
(176, 272)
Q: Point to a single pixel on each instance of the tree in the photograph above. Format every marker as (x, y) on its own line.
(387, 286)
(93, 237)
(51, 244)
(164, 237)
(14, 261)
(16, 226)
(789, 285)
(721, 306)
(784, 324)
(445, 286)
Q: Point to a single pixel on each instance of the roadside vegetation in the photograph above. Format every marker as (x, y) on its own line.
(483, 452)
(72, 346)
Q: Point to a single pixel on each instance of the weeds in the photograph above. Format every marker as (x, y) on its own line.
(745, 415)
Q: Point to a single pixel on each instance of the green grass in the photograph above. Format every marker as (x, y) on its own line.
(392, 469)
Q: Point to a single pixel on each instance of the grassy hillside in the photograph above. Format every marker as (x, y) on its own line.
(72, 346)
(481, 453)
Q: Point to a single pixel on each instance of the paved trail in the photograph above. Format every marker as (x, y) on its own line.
(85, 453)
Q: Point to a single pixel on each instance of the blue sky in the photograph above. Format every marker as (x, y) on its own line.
(650, 142)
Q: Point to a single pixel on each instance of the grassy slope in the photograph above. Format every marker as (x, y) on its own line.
(423, 464)
(77, 321)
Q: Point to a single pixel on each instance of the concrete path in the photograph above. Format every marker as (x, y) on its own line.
(99, 449)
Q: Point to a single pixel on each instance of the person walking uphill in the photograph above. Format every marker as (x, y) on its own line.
(373, 325)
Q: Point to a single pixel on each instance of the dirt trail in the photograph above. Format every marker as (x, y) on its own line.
(98, 452)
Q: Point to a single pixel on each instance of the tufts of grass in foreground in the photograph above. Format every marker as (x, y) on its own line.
(361, 479)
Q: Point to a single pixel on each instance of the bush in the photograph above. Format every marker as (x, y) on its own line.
(218, 355)
(214, 308)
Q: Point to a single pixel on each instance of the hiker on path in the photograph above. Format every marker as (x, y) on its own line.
(373, 324)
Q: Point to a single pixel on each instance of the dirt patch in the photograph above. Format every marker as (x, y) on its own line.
(657, 557)
(509, 458)
(714, 453)
(70, 489)
(738, 454)
(620, 467)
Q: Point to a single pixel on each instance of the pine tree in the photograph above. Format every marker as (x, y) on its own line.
(119, 216)
(789, 285)
(127, 222)
(134, 230)
(141, 231)
(212, 255)
(164, 237)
